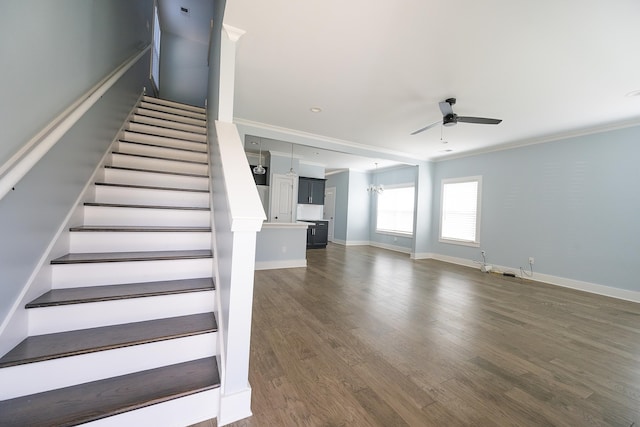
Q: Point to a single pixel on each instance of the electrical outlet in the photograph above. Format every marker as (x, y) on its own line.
(531, 260)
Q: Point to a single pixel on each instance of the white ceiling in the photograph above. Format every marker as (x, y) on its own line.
(379, 68)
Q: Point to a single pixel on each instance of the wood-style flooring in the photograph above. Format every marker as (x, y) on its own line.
(367, 337)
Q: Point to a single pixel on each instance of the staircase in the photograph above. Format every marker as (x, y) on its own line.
(127, 334)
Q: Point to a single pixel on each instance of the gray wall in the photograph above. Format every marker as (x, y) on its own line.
(359, 210)
(341, 182)
(572, 204)
(52, 53)
(310, 171)
(424, 210)
(184, 72)
(389, 177)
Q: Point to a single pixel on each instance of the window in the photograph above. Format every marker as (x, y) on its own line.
(395, 210)
(460, 211)
(155, 54)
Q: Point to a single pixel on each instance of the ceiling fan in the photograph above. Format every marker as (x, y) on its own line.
(449, 118)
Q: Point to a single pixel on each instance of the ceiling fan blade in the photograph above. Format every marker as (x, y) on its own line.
(446, 108)
(479, 120)
(427, 127)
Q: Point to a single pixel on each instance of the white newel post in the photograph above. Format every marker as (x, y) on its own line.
(230, 37)
(238, 218)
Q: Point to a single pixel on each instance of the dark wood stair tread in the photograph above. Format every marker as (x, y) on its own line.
(164, 137)
(72, 343)
(159, 158)
(181, 105)
(195, 175)
(152, 131)
(77, 258)
(150, 187)
(174, 118)
(122, 205)
(89, 294)
(99, 399)
(169, 124)
(136, 228)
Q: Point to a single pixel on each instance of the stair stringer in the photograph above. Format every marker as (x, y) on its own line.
(176, 412)
(15, 327)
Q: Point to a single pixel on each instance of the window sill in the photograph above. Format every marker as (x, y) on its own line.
(460, 242)
(395, 233)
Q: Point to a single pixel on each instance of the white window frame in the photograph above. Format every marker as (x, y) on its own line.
(397, 232)
(154, 64)
(478, 179)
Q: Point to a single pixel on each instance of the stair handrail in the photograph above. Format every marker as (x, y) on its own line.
(14, 169)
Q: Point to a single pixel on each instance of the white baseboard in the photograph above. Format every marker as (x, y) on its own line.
(287, 263)
(234, 407)
(390, 247)
(351, 242)
(608, 291)
(422, 255)
(593, 288)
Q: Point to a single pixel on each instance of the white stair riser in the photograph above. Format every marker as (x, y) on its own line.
(48, 320)
(169, 124)
(143, 196)
(68, 371)
(184, 411)
(164, 142)
(132, 241)
(171, 117)
(103, 215)
(170, 110)
(173, 104)
(116, 273)
(168, 153)
(135, 162)
(171, 133)
(130, 177)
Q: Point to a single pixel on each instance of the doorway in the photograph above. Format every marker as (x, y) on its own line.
(283, 187)
(329, 212)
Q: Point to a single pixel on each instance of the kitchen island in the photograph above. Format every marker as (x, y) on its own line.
(281, 245)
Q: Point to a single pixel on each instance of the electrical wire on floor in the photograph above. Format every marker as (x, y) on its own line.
(524, 273)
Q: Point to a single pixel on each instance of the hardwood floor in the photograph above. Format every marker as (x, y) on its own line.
(368, 337)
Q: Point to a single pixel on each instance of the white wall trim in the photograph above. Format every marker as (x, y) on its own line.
(12, 331)
(287, 263)
(357, 243)
(543, 139)
(422, 255)
(390, 247)
(593, 288)
(234, 407)
(321, 141)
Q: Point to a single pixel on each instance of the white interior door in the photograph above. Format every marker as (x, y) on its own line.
(282, 200)
(330, 209)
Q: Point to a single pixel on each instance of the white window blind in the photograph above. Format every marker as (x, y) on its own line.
(395, 208)
(155, 57)
(460, 216)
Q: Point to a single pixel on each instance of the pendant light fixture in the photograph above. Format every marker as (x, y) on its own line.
(259, 170)
(291, 171)
(378, 189)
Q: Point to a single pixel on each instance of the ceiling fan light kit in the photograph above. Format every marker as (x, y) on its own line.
(449, 118)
